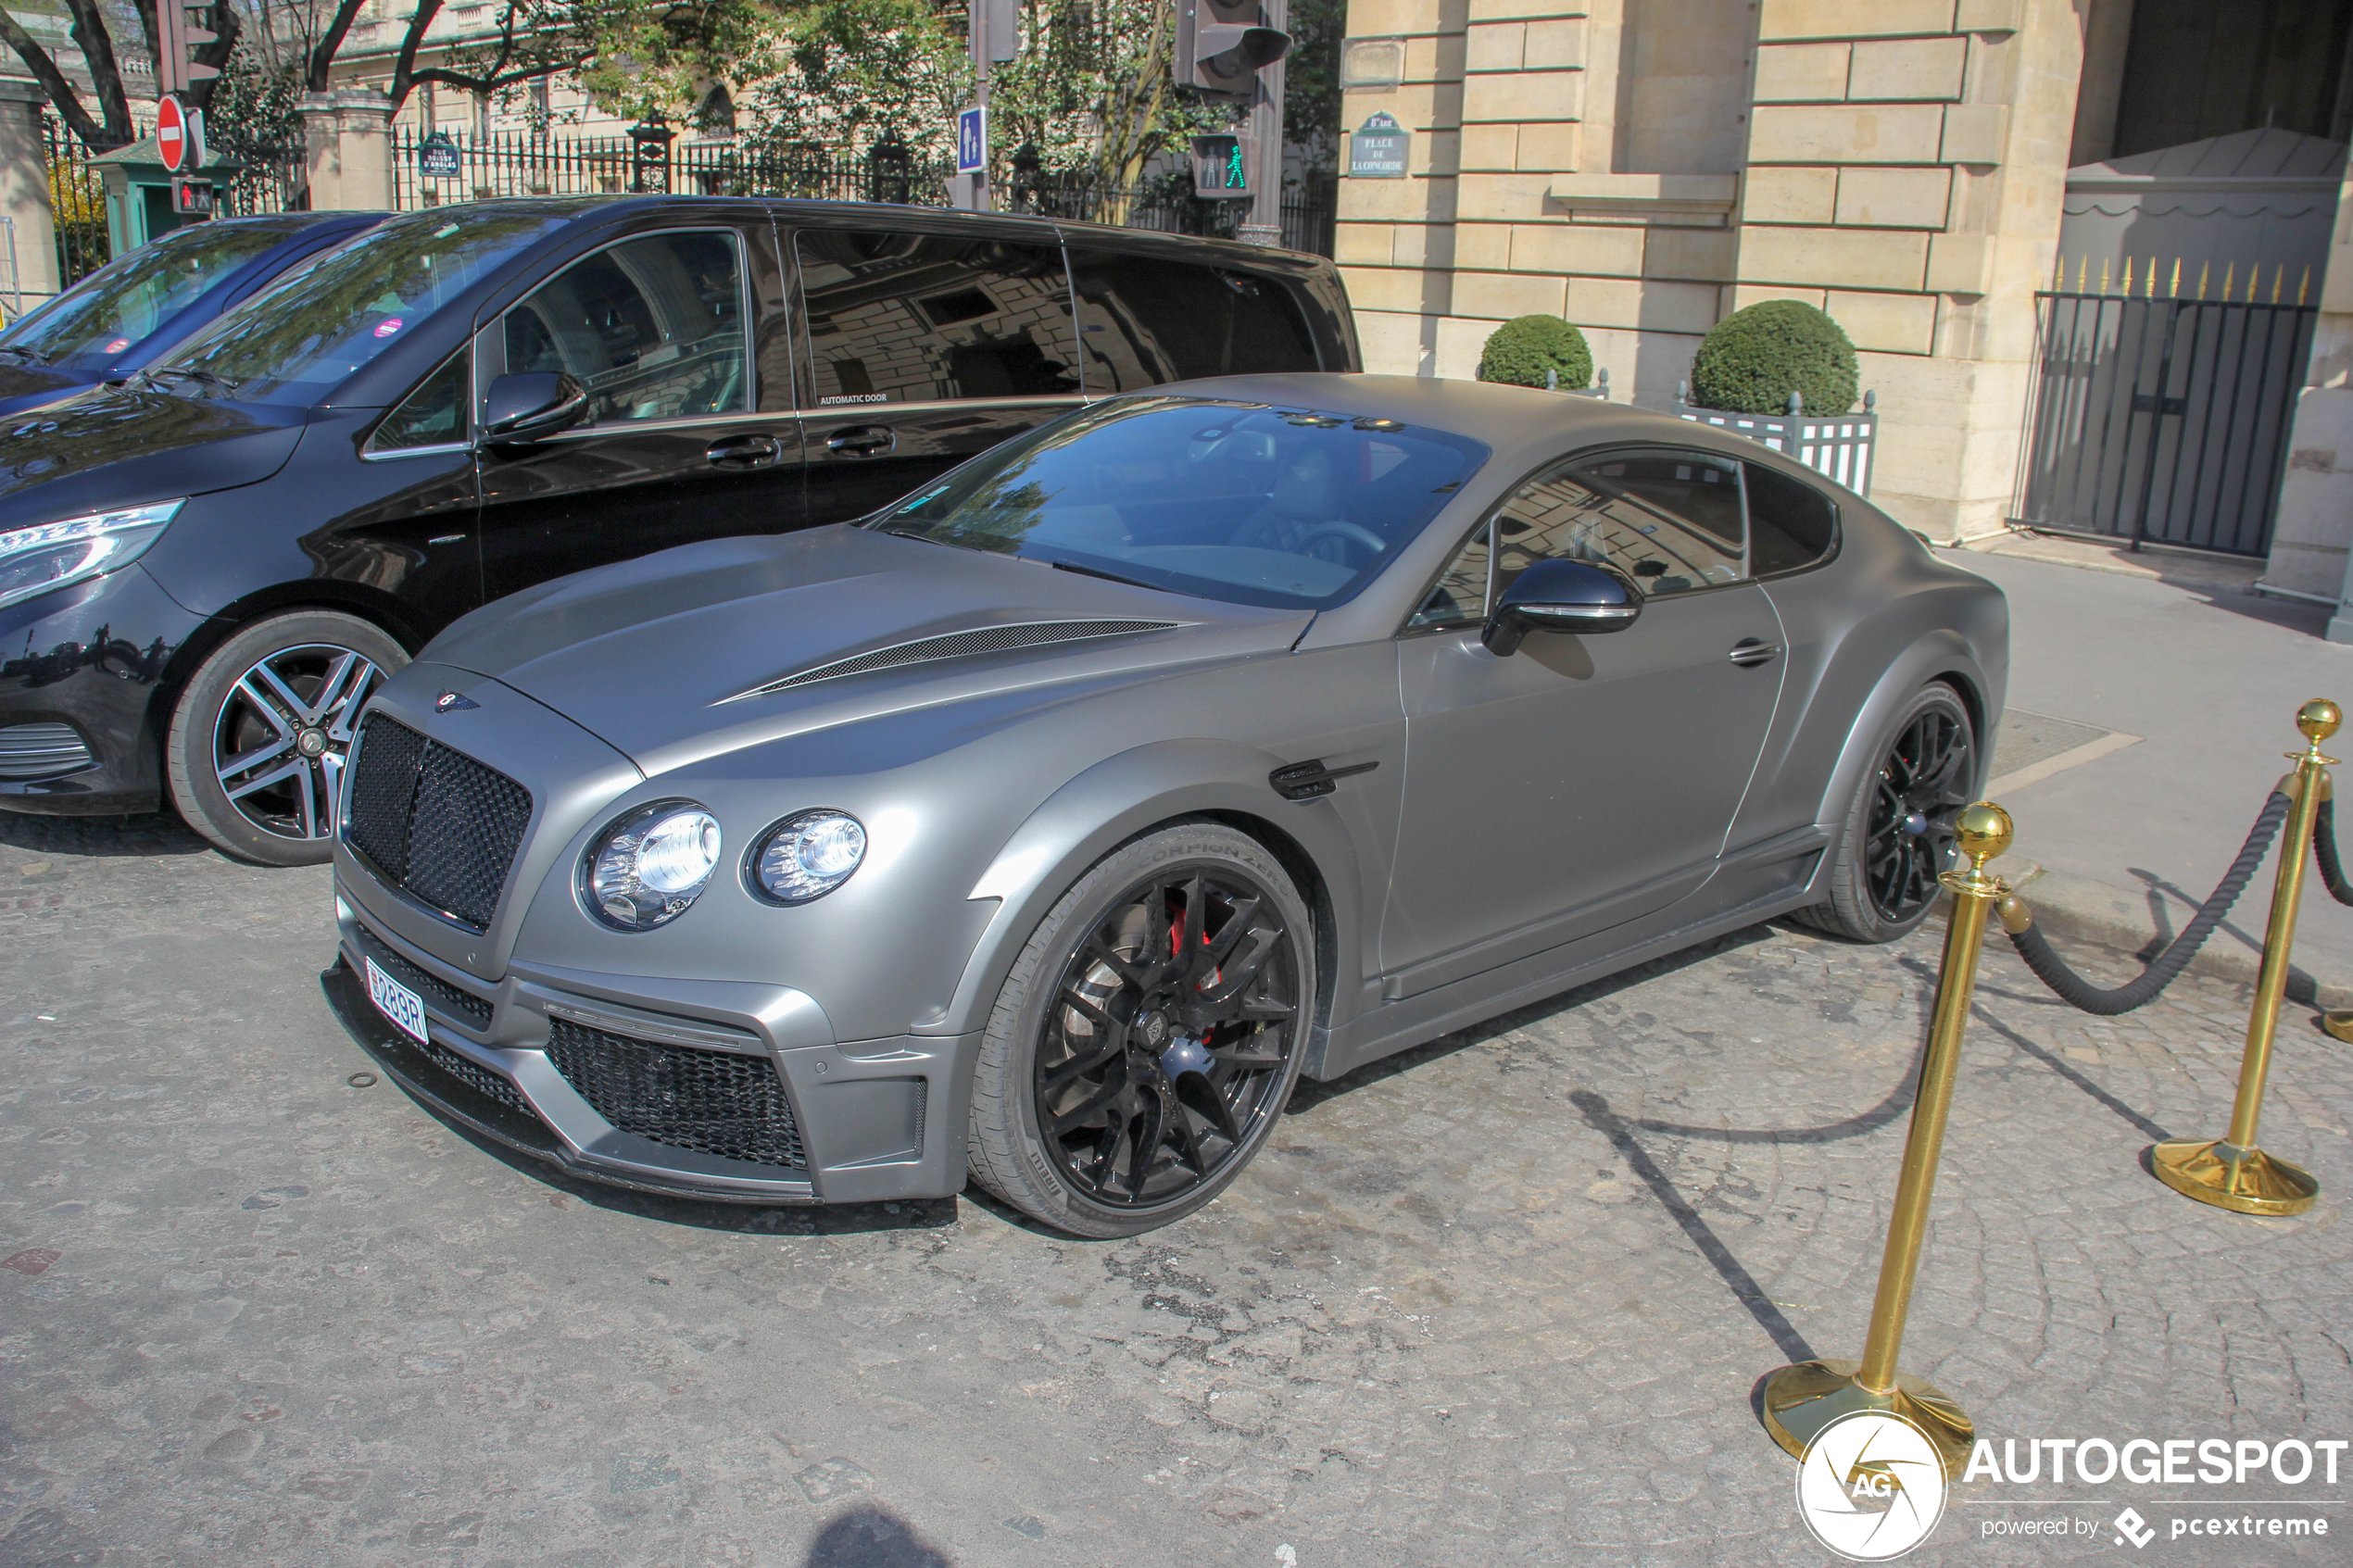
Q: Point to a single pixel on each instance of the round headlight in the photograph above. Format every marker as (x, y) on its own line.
(807, 856)
(651, 866)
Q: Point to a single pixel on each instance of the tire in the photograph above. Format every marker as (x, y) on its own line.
(1200, 1063)
(1883, 870)
(258, 739)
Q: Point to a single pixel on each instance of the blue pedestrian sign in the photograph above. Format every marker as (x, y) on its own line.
(972, 141)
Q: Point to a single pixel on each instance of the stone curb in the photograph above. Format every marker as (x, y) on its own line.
(2078, 909)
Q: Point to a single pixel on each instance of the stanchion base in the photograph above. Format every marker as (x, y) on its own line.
(2339, 1022)
(1801, 1400)
(2246, 1180)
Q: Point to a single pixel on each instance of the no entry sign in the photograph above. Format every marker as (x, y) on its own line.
(171, 133)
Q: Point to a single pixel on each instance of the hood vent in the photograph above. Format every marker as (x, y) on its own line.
(958, 645)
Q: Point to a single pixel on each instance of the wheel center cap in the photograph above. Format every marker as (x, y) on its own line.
(1152, 1030)
(1916, 825)
(1184, 1055)
(311, 742)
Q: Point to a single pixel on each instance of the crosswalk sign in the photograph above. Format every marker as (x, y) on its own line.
(972, 139)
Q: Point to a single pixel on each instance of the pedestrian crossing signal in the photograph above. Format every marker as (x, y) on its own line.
(1221, 166)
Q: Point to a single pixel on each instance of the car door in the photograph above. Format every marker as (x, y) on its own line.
(686, 438)
(1586, 780)
(921, 350)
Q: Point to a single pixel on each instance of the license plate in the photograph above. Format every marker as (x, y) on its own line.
(395, 1001)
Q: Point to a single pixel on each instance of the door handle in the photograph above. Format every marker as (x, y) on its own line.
(744, 451)
(862, 440)
(1750, 652)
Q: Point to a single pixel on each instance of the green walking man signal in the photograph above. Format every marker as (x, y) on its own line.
(1221, 166)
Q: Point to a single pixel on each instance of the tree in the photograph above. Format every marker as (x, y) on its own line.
(97, 25)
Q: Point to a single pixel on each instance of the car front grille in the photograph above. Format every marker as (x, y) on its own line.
(484, 1082)
(450, 1000)
(434, 823)
(35, 751)
(713, 1102)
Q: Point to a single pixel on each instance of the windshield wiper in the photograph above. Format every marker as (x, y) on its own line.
(202, 377)
(31, 356)
(1097, 572)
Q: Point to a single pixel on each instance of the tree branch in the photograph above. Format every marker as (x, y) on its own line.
(97, 52)
(52, 81)
(317, 68)
(404, 68)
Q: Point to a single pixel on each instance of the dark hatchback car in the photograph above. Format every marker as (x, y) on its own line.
(203, 574)
(121, 319)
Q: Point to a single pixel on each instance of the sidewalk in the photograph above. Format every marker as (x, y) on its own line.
(2198, 681)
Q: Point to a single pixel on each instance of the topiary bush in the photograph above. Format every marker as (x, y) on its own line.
(1755, 357)
(1522, 349)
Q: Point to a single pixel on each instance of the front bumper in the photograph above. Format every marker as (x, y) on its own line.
(612, 1080)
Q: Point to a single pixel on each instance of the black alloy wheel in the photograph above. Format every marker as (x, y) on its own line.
(1898, 832)
(259, 737)
(1143, 1048)
(1167, 1038)
(1921, 787)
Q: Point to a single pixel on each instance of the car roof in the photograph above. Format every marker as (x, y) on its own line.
(1522, 425)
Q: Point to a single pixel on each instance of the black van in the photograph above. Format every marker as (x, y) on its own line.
(203, 574)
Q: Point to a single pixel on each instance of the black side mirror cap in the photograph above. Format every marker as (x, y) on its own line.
(532, 406)
(1561, 595)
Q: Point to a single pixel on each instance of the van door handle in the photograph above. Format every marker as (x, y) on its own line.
(1750, 652)
(862, 440)
(744, 451)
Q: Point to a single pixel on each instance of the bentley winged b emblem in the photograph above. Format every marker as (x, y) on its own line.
(451, 702)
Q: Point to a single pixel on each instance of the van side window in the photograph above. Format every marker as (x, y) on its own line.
(653, 328)
(1145, 320)
(433, 415)
(922, 317)
(1792, 525)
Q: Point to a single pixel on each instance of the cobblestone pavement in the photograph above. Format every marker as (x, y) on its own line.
(1504, 1300)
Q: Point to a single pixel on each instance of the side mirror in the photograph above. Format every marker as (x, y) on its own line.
(1561, 595)
(532, 406)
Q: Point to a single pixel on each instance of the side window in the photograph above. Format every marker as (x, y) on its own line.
(653, 328)
(433, 415)
(1671, 520)
(920, 318)
(1147, 320)
(1791, 523)
(1459, 597)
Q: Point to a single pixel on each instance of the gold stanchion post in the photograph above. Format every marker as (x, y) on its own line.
(1801, 1400)
(2230, 1172)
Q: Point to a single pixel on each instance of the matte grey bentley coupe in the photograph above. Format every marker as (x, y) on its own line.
(1048, 823)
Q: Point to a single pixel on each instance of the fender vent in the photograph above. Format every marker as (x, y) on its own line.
(957, 644)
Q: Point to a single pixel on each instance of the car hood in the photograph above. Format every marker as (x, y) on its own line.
(711, 647)
(30, 386)
(124, 446)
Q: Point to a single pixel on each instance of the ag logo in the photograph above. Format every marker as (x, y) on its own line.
(1871, 1486)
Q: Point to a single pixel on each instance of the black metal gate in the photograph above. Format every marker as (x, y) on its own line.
(2163, 419)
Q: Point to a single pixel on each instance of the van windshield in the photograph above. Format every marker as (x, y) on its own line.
(1240, 502)
(88, 326)
(301, 339)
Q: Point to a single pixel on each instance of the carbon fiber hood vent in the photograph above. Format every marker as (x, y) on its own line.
(956, 644)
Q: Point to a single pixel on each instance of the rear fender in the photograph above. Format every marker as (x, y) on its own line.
(1941, 655)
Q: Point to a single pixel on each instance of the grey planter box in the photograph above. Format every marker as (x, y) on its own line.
(1839, 446)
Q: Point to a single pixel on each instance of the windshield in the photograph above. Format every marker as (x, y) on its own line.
(111, 309)
(303, 338)
(1240, 502)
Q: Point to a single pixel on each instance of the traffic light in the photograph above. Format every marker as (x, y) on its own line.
(1221, 166)
(1222, 43)
(175, 35)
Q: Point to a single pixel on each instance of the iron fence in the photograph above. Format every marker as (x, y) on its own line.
(2163, 419)
(1309, 208)
(77, 202)
(523, 163)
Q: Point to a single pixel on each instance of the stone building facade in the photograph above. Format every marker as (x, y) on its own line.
(1647, 167)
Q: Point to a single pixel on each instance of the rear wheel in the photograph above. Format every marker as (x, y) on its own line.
(1144, 1045)
(258, 739)
(1897, 836)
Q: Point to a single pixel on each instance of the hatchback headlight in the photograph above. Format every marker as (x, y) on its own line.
(50, 555)
(807, 856)
(648, 868)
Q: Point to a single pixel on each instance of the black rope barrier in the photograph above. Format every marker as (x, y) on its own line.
(2078, 992)
(2324, 848)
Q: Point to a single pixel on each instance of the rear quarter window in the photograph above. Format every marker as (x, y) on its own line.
(1791, 525)
(1147, 320)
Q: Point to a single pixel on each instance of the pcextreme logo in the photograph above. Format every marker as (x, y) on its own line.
(1871, 1486)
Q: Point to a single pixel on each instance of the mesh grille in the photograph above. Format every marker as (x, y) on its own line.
(957, 644)
(480, 1079)
(713, 1102)
(434, 821)
(457, 1003)
(28, 751)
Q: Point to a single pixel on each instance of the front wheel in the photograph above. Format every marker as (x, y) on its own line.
(1149, 1036)
(258, 738)
(1897, 833)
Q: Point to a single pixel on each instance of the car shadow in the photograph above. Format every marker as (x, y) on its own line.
(871, 1536)
(151, 835)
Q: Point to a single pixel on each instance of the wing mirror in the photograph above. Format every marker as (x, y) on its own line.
(532, 406)
(1561, 595)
